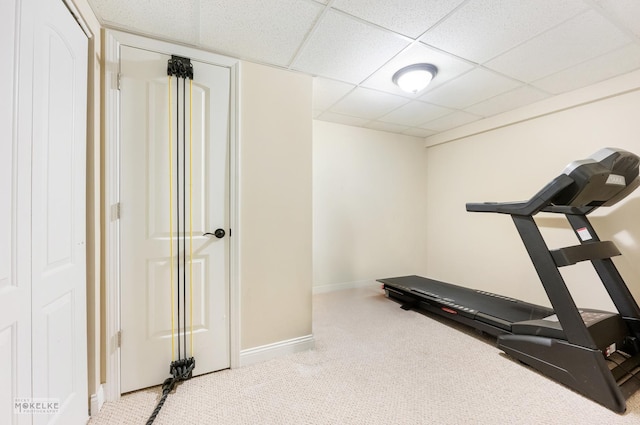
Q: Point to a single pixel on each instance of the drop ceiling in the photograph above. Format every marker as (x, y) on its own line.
(493, 56)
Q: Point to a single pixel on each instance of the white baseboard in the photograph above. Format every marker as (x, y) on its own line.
(97, 401)
(321, 289)
(277, 349)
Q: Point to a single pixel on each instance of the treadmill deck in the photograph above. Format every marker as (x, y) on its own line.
(461, 303)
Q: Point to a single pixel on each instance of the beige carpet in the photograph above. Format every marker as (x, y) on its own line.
(374, 363)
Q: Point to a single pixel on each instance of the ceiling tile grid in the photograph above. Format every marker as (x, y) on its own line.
(583, 37)
(407, 17)
(343, 119)
(327, 92)
(482, 29)
(623, 60)
(385, 126)
(414, 113)
(626, 11)
(367, 103)
(347, 49)
(158, 21)
(267, 31)
(492, 55)
(455, 119)
(470, 88)
(514, 99)
(419, 132)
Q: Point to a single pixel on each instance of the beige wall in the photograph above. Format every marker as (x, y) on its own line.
(512, 163)
(93, 195)
(275, 205)
(369, 204)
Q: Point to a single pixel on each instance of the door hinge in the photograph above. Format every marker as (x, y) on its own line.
(118, 80)
(119, 339)
(115, 212)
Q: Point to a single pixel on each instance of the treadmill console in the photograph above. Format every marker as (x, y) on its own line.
(603, 179)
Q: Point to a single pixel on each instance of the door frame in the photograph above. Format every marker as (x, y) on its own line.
(111, 342)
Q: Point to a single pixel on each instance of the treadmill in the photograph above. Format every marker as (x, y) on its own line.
(594, 352)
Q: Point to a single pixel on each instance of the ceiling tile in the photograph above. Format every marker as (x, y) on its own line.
(366, 103)
(269, 32)
(507, 101)
(482, 29)
(450, 121)
(408, 17)
(626, 11)
(595, 70)
(419, 132)
(470, 88)
(579, 39)
(157, 20)
(347, 49)
(415, 113)
(385, 126)
(492, 55)
(448, 68)
(327, 92)
(343, 119)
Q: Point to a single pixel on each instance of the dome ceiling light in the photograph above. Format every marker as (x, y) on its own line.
(414, 78)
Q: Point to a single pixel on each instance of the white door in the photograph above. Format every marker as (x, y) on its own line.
(15, 223)
(59, 331)
(146, 347)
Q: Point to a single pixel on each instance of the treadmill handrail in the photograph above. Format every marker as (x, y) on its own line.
(537, 203)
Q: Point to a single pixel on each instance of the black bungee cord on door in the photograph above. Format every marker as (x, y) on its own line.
(181, 369)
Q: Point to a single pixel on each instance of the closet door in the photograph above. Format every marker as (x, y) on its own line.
(15, 221)
(59, 331)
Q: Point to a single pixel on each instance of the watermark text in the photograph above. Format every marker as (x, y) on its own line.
(35, 406)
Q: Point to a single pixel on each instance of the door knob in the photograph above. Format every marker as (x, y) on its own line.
(219, 233)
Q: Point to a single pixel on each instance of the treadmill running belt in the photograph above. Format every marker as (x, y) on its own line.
(486, 307)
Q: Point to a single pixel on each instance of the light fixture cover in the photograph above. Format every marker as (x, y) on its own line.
(414, 78)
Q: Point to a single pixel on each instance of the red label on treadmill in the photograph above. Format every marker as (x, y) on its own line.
(448, 310)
